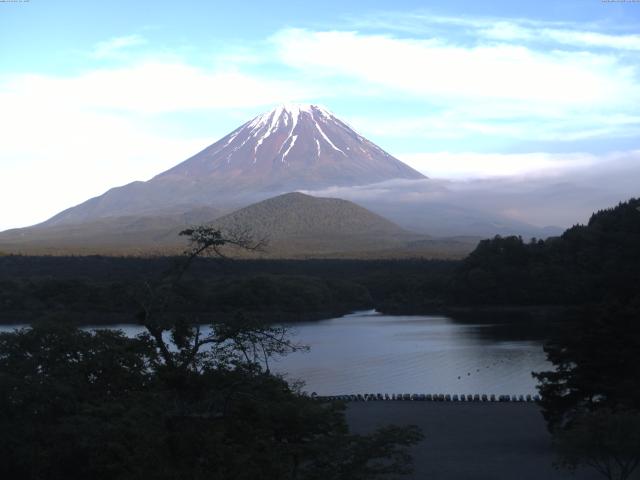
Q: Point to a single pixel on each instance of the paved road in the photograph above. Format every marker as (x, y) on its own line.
(470, 441)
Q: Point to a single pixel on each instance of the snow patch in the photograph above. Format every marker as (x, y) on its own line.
(294, 123)
(233, 137)
(293, 142)
(291, 110)
(287, 116)
(274, 120)
(329, 141)
(237, 148)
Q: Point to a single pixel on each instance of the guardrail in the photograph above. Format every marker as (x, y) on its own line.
(427, 397)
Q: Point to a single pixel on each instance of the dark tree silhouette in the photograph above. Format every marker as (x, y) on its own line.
(173, 403)
(606, 441)
(591, 400)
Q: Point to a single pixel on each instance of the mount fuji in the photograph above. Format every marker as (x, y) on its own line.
(292, 147)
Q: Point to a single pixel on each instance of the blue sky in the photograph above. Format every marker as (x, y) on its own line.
(98, 94)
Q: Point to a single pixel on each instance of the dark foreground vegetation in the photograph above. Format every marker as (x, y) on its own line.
(98, 289)
(588, 264)
(174, 403)
(78, 405)
(591, 401)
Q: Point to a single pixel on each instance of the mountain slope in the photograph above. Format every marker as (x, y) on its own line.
(299, 215)
(293, 146)
(110, 235)
(289, 148)
(298, 225)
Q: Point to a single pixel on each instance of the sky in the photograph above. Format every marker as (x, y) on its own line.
(98, 94)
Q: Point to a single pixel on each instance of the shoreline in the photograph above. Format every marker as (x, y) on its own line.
(453, 310)
(83, 319)
(477, 314)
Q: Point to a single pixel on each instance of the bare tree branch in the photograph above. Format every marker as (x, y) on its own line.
(203, 241)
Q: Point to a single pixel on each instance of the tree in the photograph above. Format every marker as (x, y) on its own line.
(586, 264)
(185, 334)
(74, 404)
(605, 440)
(173, 402)
(595, 363)
(591, 401)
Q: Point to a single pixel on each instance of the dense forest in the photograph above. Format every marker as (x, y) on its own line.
(591, 398)
(99, 289)
(94, 404)
(175, 401)
(586, 264)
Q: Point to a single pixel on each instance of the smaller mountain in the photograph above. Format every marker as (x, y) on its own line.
(296, 225)
(297, 214)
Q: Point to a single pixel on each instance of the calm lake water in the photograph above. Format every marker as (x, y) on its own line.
(367, 352)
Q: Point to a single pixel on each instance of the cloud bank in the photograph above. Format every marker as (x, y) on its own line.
(561, 197)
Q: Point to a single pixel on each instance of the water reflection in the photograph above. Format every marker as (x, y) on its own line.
(369, 352)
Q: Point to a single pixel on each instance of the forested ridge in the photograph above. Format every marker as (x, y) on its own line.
(176, 401)
(591, 398)
(586, 264)
(103, 289)
(95, 404)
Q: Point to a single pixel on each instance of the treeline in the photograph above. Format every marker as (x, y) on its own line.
(586, 264)
(273, 297)
(96, 404)
(100, 289)
(591, 398)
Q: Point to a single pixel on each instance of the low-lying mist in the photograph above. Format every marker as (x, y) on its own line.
(539, 204)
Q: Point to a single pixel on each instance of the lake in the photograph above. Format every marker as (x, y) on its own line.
(367, 352)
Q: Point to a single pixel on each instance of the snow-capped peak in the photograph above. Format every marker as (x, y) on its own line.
(287, 116)
(287, 113)
(295, 109)
(303, 139)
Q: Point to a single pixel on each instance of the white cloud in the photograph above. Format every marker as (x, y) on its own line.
(511, 30)
(513, 121)
(66, 139)
(151, 87)
(502, 30)
(52, 159)
(482, 165)
(521, 29)
(502, 90)
(114, 46)
(593, 39)
(546, 189)
(444, 71)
